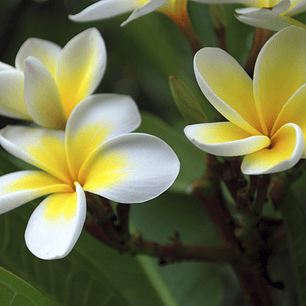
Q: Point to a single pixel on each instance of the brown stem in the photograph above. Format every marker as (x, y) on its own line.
(182, 21)
(260, 38)
(123, 228)
(263, 182)
(256, 287)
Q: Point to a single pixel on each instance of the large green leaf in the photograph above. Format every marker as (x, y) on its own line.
(14, 292)
(295, 220)
(192, 159)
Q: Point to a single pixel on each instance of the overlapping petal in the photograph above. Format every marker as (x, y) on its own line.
(225, 139)
(278, 73)
(80, 67)
(56, 224)
(106, 9)
(42, 148)
(44, 50)
(4, 67)
(11, 99)
(41, 96)
(255, 3)
(97, 119)
(145, 9)
(21, 187)
(287, 146)
(130, 168)
(273, 22)
(228, 88)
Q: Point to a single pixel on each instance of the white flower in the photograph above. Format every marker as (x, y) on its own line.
(48, 81)
(96, 153)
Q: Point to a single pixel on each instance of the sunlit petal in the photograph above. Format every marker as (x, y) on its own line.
(279, 73)
(95, 120)
(44, 50)
(297, 6)
(287, 147)
(227, 87)
(131, 168)
(21, 187)
(41, 96)
(147, 8)
(11, 99)
(105, 9)
(56, 224)
(42, 148)
(80, 68)
(224, 139)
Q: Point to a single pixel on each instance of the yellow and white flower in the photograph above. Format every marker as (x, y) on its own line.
(175, 9)
(96, 153)
(48, 81)
(268, 14)
(267, 116)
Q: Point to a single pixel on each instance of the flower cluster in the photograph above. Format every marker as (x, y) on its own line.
(84, 143)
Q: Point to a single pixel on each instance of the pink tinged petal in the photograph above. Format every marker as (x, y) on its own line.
(4, 67)
(56, 224)
(41, 96)
(80, 68)
(145, 9)
(287, 146)
(11, 98)
(227, 87)
(42, 148)
(224, 139)
(279, 72)
(131, 168)
(105, 9)
(273, 23)
(45, 51)
(96, 119)
(21, 187)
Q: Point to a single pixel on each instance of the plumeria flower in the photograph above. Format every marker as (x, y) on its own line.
(48, 81)
(175, 9)
(97, 154)
(266, 116)
(268, 14)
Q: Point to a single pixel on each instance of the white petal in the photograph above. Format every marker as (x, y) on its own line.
(131, 168)
(297, 7)
(21, 187)
(149, 7)
(281, 7)
(42, 148)
(4, 67)
(44, 50)
(273, 23)
(56, 224)
(224, 139)
(105, 9)
(41, 96)
(11, 95)
(80, 68)
(255, 3)
(96, 119)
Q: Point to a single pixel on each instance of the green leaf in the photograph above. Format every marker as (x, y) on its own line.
(14, 292)
(192, 283)
(192, 159)
(186, 102)
(295, 220)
